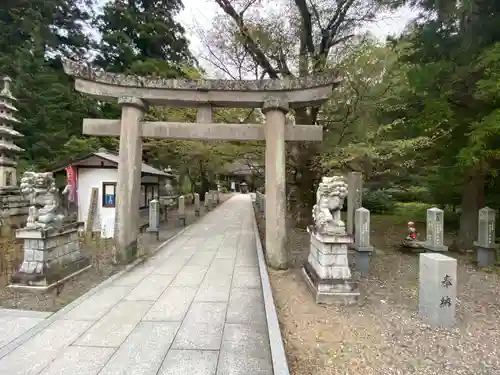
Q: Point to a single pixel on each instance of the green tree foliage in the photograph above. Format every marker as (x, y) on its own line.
(451, 99)
(143, 37)
(34, 35)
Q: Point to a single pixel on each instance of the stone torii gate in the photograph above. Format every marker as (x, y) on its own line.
(135, 93)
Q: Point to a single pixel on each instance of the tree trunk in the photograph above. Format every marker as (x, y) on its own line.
(301, 182)
(472, 201)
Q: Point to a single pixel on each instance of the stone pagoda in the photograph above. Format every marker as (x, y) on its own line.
(8, 175)
(13, 206)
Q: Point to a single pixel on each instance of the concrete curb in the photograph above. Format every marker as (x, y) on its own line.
(278, 356)
(14, 344)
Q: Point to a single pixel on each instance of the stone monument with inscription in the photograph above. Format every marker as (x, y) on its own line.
(362, 240)
(52, 246)
(485, 244)
(327, 270)
(438, 289)
(435, 230)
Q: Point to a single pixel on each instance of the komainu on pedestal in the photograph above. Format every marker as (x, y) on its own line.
(52, 246)
(327, 268)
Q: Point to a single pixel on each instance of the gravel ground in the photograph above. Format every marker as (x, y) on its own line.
(383, 334)
(103, 267)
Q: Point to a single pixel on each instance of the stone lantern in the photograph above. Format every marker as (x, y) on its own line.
(8, 150)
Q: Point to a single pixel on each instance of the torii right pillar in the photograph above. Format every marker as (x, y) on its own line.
(275, 111)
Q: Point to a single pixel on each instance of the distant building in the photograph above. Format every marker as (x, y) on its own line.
(100, 170)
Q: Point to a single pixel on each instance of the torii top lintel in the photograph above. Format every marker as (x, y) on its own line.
(297, 92)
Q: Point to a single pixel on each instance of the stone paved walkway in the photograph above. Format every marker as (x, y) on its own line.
(194, 308)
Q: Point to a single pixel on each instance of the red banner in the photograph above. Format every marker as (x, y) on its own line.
(71, 180)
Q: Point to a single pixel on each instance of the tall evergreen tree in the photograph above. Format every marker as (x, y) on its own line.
(143, 37)
(33, 37)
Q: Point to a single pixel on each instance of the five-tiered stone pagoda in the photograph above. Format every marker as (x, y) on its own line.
(8, 150)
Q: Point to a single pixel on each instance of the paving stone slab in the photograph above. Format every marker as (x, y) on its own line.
(246, 277)
(143, 351)
(214, 288)
(150, 288)
(190, 276)
(99, 304)
(246, 306)
(190, 362)
(79, 360)
(172, 305)
(112, 329)
(245, 341)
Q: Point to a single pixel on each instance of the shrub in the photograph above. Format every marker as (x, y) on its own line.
(412, 194)
(378, 202)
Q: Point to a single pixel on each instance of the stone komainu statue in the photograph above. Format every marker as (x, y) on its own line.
(329, 201)
(41, 189)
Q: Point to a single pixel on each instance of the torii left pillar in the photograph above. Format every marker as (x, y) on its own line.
(275, 111)
(129, 179)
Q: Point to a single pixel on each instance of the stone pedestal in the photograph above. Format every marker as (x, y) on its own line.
(327, 269)
(13, 210)
(50, 255)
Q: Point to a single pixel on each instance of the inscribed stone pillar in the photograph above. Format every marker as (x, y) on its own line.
(362, 240)
(275, 110)
(435, 229)
(206, 203)
(354, 198)
(485, 244)
(129, 179)
(438, 289)
(196, 204)
(182, 211)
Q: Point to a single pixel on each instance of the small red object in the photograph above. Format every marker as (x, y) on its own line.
(413, 235)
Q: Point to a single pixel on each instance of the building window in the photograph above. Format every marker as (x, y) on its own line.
(109, 194)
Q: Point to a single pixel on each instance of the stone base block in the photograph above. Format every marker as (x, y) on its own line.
(363, 262)
(50, 256)
(436, 248)
(330, 291)
(485, 256)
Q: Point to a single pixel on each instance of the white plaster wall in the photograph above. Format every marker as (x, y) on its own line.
(89, 178)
